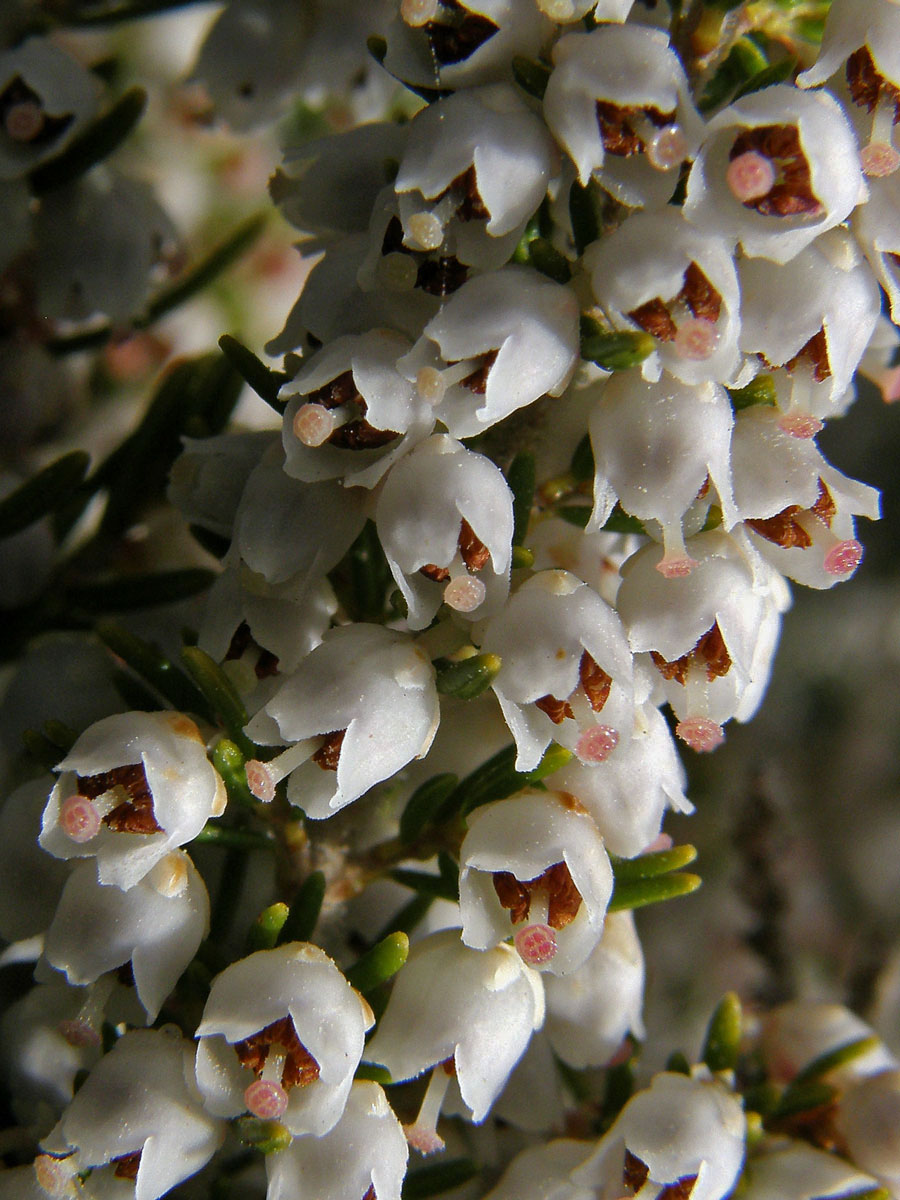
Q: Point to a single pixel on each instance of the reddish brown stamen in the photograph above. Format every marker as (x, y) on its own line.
(126, 1165)
(616, 132)
(477, 381)
(595, 681)
(710, 652)
(699, 294)
(867, 85)
(635, 1172)
(461, 36)
(300, 1068)
(556, 710)
(792, 196)
(681, 1189)
(654, 318)
(474, 552)
(563, 897)
(471, 207)
(328, 754)
(815, 352)
(132, 815)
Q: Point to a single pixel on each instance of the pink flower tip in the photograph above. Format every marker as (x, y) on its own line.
(536, 944)
(266, 1099)
(423, 1139)
(596, 743)
(313, 424)
(879, 159)
(800, 425)
(676, 566)
(844, 558)
(79, 1033)
(260, 780)
(750, 176)
(668, 148)
(696, 339)
(79, 819)
(700, 733)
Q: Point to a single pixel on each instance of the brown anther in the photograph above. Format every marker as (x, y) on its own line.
(300, 1068)
(134, 814)
(699, 294)
(654, 318)
(438, 574)
(472, 549)
(440, 277)
(815, 352)
(360, 435)
(704, 488)
(329, 753)
(449, 1066)
(240, 641)
(681, 1189)
(595, 682)
(867, 86)
(477, 381)
(571, 802)
(635, 1172)
(824, 507)
(126, 1165)
(471, 206)
(563, 897)
(461, 36)
(370, 1194)
(793, 196)
(266, 665)
(356, 434)
(556, 710)
(616, 131)
(341, 390)
(18, 92)
(710, 652)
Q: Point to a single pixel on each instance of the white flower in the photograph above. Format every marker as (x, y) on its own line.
(134, 786)
(619, 102)
(776, 169)
(281, 1036)
(157, 926)
(209, 476)
(477, 1008)
(138, 1110)
(363, 1155)
(877, 228)
(658, 272)
(868, 1117)
(500, 342)
(566, 670)
(655, 445)
(543, 1172)
(796, 1170)
(359, 707)
(590, 1011)
(46, 99)
(445, 522)
(536, 867)
(795, 1034)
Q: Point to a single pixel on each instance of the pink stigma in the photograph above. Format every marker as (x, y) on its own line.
(696, 339)
(79, 819)
(596, 743)
(668, 148)
(313, 424)
(465, 594)
(750, 176)
(800, 425)
(423, 1139)
(79, 1033)
(879, 159)
(260, 780)
(536, 944)
(266, 1099)
(676, 568)
(700, 733)
(24, 121)
(844, 558)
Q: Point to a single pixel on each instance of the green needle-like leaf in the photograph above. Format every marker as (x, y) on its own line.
(123, 593)
(153, 666)
(43, 493)
(424, 805)
(376, 1074)
(723, 1035)
(266, 929)
(468, 678)
(438, 1178)
(521, 479)
(618, 350)
(94, 145)
(230, 762)
(380, 963)
(264, 381)
(760, 390)
(220, 693)
(642, 892)
(832, 1059)
(803, 1098)
(305, 908)
(647, 866)
(435, 886)
(268, 1137)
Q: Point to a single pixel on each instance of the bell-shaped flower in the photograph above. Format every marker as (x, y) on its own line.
(281, 1037)
(33, 880)
(445, 521)
(797, 1170)
(359, 708)
(534, 867)
(680, 1130)
(628, 795)
(619, 102)
(475, 169)
(877, 229)
(156, 926)
(868, 1119)
(793, 1035)
(209, 476)
(103, 244)
(777, 168)
(656, 446)
(156, 1131)
(351, 413)
(500, 342)
(566, 670)
(133, 787)
(814, 316)
(711, 635)
(467, 1013)
(659, 273)
(865, 40)
(590, 1012)
(46, 99)
(544, 1172)
(364, 1155)
(433, 45)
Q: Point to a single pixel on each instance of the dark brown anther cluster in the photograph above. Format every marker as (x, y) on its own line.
(126, 1165)
(266, 661)
(471, 207)
(134, 813)
(815, 352)
(473, 552)
(437, 276)
(563, 897)
(792, 195)
(710, 652)
(300, 1068)
(696, 292)
(595, 683)
(477, 381)
(635, 1174)
(459, 34)
(616, 132)
(353, 435)
(16, 92)
(328, 754)
(867, 85)
(785, 530)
